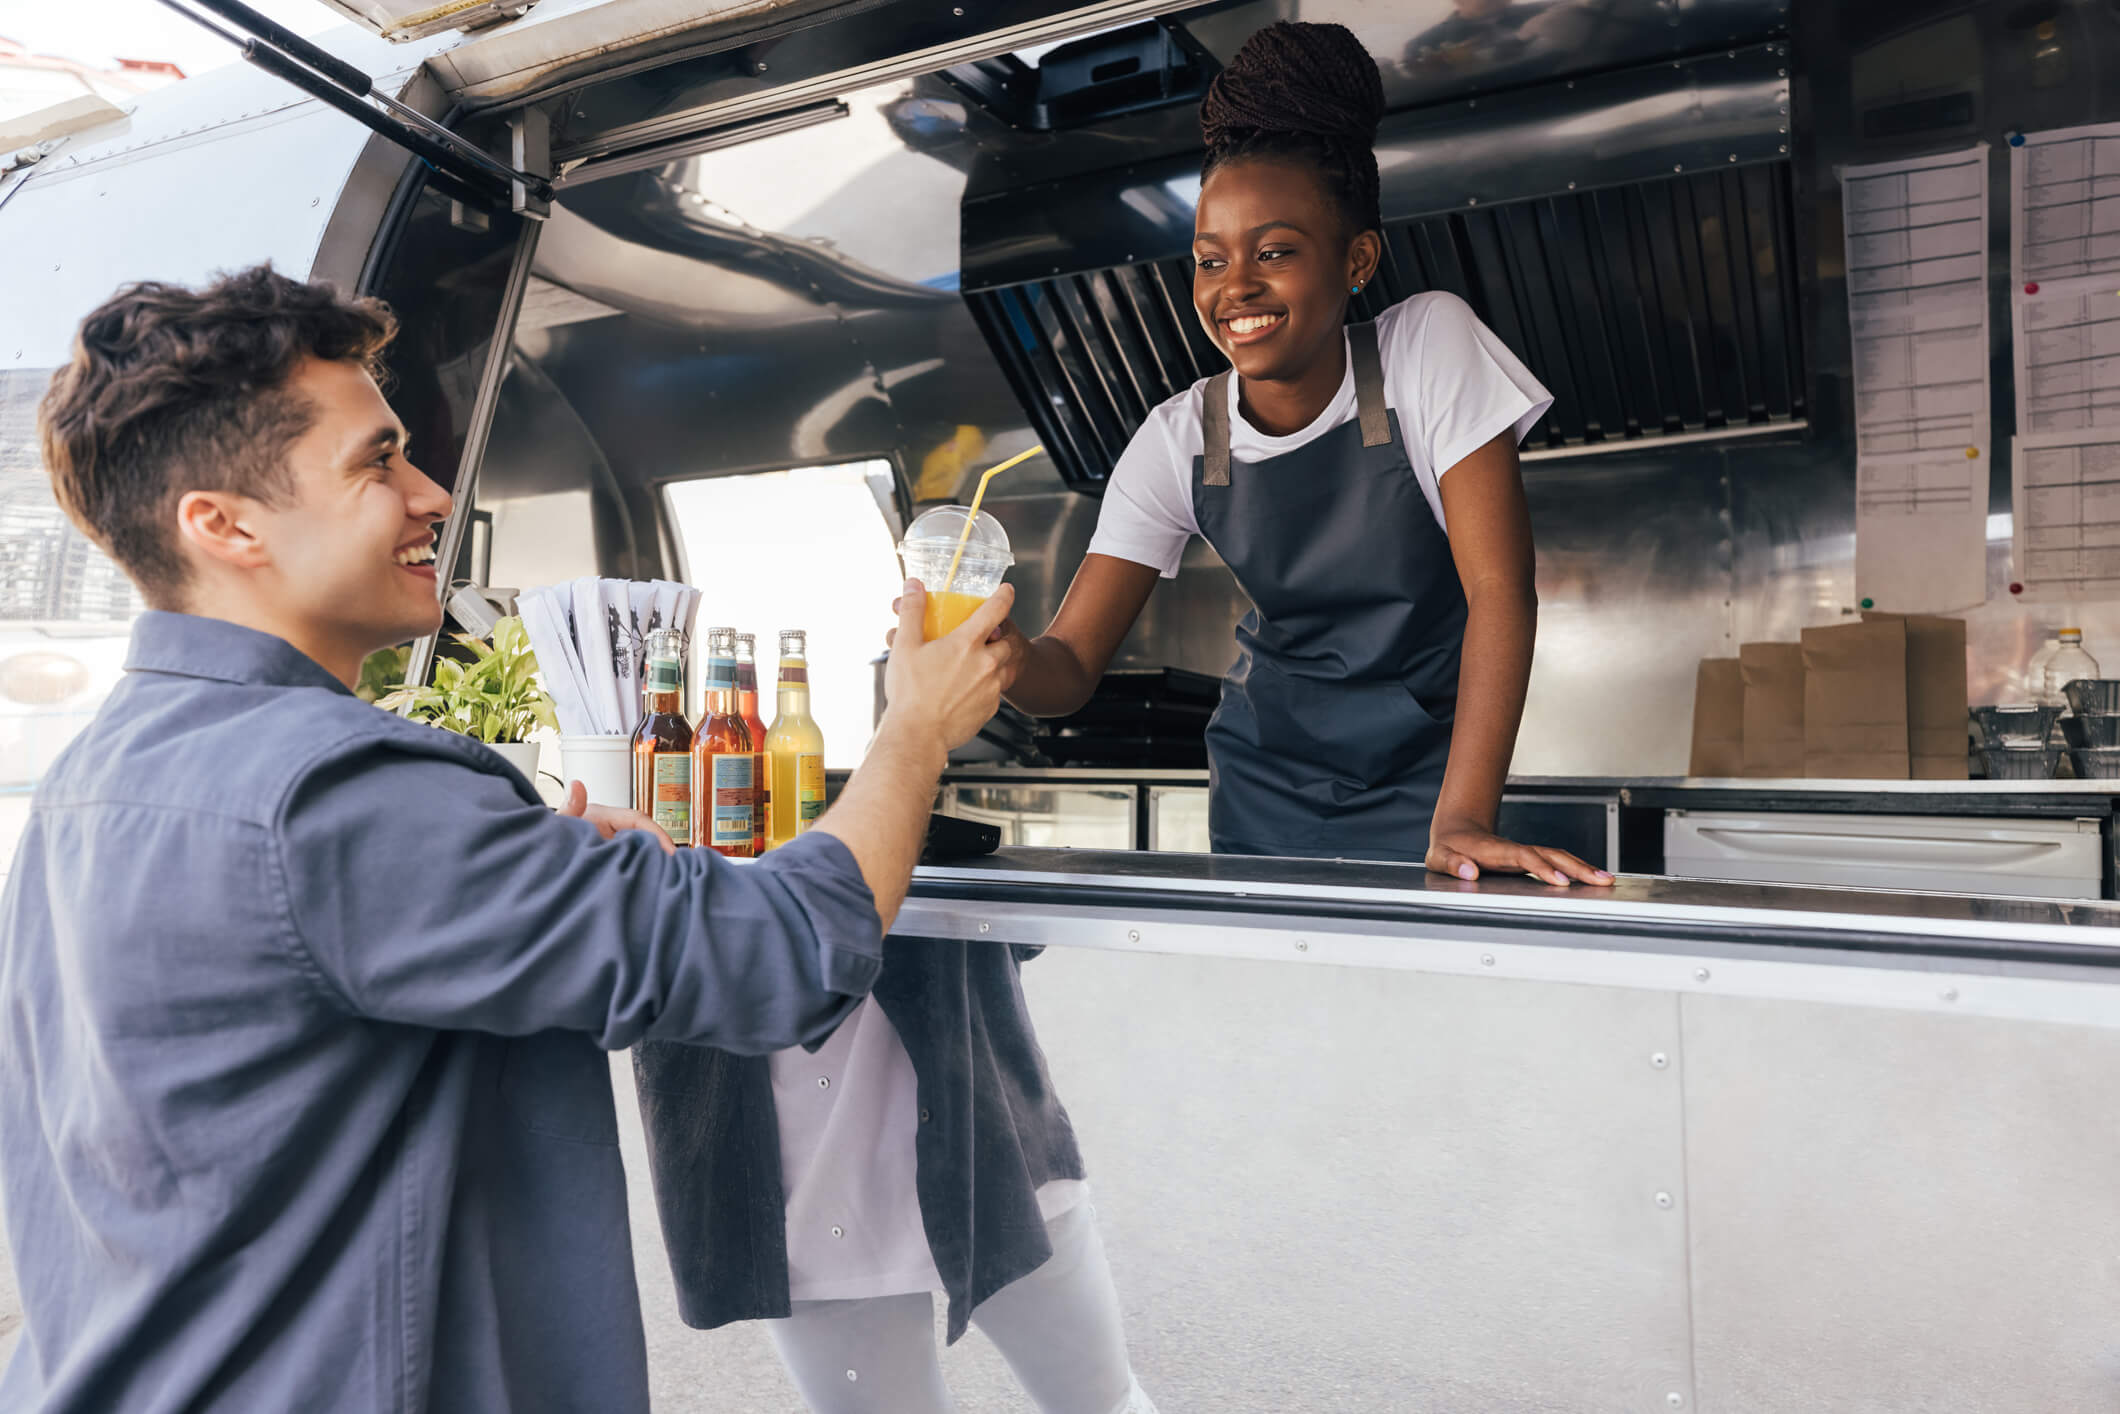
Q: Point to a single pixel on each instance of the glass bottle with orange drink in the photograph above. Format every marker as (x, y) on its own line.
(747, 708)
(794, 747)
(724, 760)
(662, 748)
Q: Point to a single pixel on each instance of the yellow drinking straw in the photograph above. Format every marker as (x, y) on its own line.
(970, 519)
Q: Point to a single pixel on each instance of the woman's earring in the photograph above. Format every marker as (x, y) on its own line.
(1355, 290)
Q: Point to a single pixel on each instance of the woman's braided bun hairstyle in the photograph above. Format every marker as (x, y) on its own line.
(1307, 93)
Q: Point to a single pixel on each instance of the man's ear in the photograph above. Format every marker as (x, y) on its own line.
(221, 525)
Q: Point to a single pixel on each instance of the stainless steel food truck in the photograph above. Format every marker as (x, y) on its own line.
(1796, 1116)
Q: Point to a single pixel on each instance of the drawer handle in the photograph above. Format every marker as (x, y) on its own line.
(1896, 848)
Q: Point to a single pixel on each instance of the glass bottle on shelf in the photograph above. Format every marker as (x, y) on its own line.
(794, 747)
(2069, 664)
(2035, 671)
(747, 708)
(662, 748)
(724, 760)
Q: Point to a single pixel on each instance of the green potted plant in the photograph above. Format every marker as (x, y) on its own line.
(495, 698)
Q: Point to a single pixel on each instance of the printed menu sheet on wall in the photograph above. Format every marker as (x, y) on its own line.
(2065, 313)
(1917, 255)
(2066, 506)
(2065, 204)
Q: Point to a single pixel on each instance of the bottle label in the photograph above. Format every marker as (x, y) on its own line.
(762, 773)
(809, 790)
(734, 788)
(663, 675)
(672, 804)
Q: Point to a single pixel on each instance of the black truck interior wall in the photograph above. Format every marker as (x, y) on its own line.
(937, 271)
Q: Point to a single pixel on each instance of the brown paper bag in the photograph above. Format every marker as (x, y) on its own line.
(1855, 701)
(1936, 696)
(1773, 710)
(1718, 719)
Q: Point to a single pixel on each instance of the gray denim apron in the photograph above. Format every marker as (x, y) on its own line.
(1335, 721)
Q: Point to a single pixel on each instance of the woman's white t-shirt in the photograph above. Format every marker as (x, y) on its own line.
(1454, 385)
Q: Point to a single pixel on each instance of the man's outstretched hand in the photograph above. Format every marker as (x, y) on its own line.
(609, 819)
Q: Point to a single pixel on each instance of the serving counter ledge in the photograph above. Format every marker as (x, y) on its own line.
(2023, 958)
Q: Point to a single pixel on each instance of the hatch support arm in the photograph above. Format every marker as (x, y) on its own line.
(461, 168)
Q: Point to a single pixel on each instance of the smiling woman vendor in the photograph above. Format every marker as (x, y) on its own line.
(1360, 481)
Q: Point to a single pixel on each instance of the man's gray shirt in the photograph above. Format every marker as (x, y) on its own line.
(305, 1101)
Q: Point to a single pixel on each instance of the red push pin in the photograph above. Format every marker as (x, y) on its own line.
(2031, 287)
(2016, 589)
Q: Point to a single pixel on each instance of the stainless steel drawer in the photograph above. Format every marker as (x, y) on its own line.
(1936, 854)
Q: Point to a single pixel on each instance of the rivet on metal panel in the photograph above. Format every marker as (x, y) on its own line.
(1474, 201)
(1660, 1060)
(1950, 994)
(1675, 1400)
(1302, 945)
(1733, 157)
(1784, 147)
(1700, 974)
(986, 927)
(1781, 73)
(1486, 959)
(1133, 935)
(1474, 102)
(1663, 1200)
(1678, 166)
(958, 12)
(1571, 186)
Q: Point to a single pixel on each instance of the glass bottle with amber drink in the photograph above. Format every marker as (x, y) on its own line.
(794, 747)
(724, 760)
(747, 708)
(662, 748)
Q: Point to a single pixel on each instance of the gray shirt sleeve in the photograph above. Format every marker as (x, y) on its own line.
(425, 891)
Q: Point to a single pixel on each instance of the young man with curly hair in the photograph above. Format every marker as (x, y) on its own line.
(303, 1007)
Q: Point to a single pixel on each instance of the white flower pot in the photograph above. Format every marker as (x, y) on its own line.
(522, 755)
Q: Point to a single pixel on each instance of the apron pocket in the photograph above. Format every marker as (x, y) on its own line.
(1366, 733)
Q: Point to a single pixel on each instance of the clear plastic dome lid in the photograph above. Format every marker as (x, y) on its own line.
(945, 524)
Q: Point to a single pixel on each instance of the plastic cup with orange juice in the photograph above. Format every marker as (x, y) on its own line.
(939, 540)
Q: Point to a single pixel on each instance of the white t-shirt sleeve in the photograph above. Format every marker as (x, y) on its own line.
(1458, 386)
(1148, 509)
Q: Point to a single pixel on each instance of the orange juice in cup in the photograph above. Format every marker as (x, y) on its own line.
(946, 609)
(960, 557)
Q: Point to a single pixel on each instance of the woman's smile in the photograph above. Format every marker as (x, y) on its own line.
(1251, 328)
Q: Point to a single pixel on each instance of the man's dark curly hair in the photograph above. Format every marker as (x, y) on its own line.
(1305, 93)
(173, 390)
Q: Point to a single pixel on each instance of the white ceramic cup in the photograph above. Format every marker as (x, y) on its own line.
(602, 763)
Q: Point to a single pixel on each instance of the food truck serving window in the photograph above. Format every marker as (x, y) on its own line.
(806, 548)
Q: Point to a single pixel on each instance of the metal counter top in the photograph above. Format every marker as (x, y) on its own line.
(1814, 787)
(1932, 923)
(1594, 785)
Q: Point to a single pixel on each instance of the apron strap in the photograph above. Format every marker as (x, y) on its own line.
(1368, 384)
(1214, 431)
(1368, 401)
